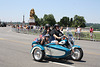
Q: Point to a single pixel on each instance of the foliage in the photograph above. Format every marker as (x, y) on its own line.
(79, 21)
(36, 19)
(64, 21)
(40, 21)
(49, 19)
(73, 22)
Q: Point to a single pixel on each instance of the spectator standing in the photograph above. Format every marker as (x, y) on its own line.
(18, 28)
(67, 29)
(21, 28)
(78, 32)
(28, 27)
(34, 27)
(91, 33)
(31, 27)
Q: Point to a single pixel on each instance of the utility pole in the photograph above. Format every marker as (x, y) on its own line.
(23, 19)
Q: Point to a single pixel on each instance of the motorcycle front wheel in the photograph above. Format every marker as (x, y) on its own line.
(77, 54)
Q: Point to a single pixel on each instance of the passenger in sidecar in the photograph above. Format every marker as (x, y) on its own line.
(45, 39)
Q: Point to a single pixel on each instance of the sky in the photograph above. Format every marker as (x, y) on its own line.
(13, 10)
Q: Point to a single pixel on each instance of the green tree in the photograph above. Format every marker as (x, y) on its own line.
(40, 21)
(36, 19)
(64, 21)
(49, 19)
(71, 22)
(79, 21)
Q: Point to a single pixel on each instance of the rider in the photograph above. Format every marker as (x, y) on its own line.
(47, 30)
(45, 39)
(56, 34)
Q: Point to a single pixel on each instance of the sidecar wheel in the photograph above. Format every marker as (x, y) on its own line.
(38, 54)
(77, 55)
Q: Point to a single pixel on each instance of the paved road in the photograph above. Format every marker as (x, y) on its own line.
(15, 52)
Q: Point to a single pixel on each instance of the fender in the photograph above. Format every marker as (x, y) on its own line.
(34, 42)
(37, 46)
(75, 46)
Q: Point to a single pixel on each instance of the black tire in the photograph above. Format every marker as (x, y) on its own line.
(80, 54)
(42, 53)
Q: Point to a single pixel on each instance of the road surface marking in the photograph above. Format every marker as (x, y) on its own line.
(62, 64)
(1, 38)
(15, 41)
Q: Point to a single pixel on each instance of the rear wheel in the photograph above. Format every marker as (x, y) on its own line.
(38, 54)
(77, 54)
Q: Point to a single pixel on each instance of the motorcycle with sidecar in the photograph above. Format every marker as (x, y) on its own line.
(63, 50)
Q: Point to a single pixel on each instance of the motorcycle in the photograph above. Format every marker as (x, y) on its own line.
(63, 50)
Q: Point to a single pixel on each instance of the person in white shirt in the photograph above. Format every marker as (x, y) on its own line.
(61, 29)
(78, 32)
(67, 29)
(34, 28)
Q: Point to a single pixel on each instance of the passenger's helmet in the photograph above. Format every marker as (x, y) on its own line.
(56, 25)
(47, 26)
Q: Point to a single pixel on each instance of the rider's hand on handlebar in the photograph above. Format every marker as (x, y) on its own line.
(65, 36)
(59, 38)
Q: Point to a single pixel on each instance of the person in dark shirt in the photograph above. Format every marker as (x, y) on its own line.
(31, 27)
(45, 39)
(47, 30)
(56, 34)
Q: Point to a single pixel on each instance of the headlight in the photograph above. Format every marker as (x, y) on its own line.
(62, 42)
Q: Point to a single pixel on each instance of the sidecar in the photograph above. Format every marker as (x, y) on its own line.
(39, 52)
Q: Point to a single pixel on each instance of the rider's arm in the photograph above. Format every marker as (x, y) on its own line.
(62, 34)
(42, 41)
(56, 36)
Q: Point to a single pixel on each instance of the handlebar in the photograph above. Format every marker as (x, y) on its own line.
(64, 37)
